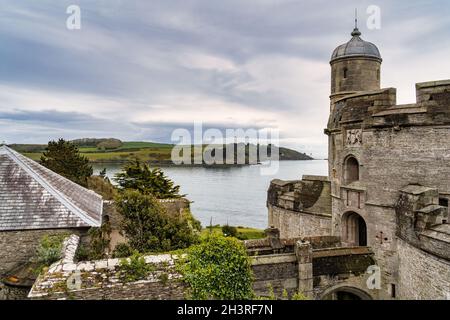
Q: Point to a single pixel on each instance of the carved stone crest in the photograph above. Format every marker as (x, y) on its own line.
(354, 137)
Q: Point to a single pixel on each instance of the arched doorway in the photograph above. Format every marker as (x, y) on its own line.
(346, 293)
(354, 230)
(351, 170)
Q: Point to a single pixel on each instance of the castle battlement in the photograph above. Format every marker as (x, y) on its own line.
(378, 108)
(388, 187)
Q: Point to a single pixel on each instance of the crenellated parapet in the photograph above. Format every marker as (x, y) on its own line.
(378, 108)
(301, 207)
(421, 221)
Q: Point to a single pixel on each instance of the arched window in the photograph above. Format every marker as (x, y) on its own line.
(351, 170)
(345, 73)
(354, 229)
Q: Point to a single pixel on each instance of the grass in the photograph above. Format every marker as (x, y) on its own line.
(248, 233)
(144, 151)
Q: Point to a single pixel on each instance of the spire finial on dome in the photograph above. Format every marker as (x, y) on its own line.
(356, 32)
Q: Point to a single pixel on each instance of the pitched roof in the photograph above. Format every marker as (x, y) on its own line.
(34, 197)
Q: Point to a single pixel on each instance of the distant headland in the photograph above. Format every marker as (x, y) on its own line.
(111, 150)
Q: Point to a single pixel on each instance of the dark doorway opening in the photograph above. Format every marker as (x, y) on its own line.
(354, 229)
(362, 230)
(343, 295)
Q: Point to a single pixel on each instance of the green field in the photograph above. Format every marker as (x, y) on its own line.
(144, 151)
(249, 233)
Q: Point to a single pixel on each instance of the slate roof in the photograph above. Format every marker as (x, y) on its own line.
(34, 197)
(356, 47)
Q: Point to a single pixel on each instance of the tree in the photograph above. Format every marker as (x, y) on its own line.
(149, 228)
(218, 268)
(139, 176)
(63, 157)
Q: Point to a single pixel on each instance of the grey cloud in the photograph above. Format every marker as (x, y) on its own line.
(136, 52)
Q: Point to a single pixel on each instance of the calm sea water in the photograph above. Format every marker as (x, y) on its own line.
(234, 195)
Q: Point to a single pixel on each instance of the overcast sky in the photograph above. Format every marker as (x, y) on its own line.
(139, 69)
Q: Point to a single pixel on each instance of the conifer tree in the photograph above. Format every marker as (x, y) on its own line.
(63, 157)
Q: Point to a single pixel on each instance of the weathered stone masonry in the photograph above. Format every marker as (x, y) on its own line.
(389, 177)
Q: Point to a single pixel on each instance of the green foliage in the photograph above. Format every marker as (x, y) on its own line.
(99, 241)
(149, 228)
(242, 232)
(134, 268)
(284, 295)
(103, 173)
(163, 278)
(122, 250)
(64, 158)
(194, 223)
(229, 231)
(299, 296)
(271, 295)
(102, 186)
(49, 251)
(82, 253)
(139, 176)
(218, 268)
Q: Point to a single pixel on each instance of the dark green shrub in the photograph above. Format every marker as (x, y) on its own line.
(122, 250)
(135, 268)
(218, 268)
(229, 231)
(49, 251)
(149, 228)
(139, 176)
(64, 158)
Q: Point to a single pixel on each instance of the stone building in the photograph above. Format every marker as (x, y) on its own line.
(34, 202)
(388, 185)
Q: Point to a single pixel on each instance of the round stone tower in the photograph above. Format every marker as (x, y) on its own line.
(355, 66)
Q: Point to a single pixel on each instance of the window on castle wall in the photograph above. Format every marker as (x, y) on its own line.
(444, 202)
(351, 170)
(378, 74)
(345, 73)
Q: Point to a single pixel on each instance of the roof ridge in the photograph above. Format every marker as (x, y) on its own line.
(63, 199)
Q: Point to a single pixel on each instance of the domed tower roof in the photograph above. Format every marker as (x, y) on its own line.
(356, 47)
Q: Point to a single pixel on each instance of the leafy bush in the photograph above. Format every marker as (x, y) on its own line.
(135, 268)
(149, 228)
(99, 241)
(96, 248)
(82, 253)
(229, 231)
(139, 176)
(102, 186)
(49, 250)
(218, 268)
(122, 250)
(189, 217)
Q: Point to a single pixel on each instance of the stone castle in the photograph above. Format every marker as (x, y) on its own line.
(375, 228)
(388, 186)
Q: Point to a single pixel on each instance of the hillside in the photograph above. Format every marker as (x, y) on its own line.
(110, 150)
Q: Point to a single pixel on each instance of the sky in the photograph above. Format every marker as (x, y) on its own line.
(138, 70)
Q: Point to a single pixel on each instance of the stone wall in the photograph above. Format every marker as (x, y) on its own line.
(18, 247)
(314, 266)
(296, 224)
(395, 146)
(278, 272)
(422, 275)
(362, 75)
(105, 279)
(300, 208)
